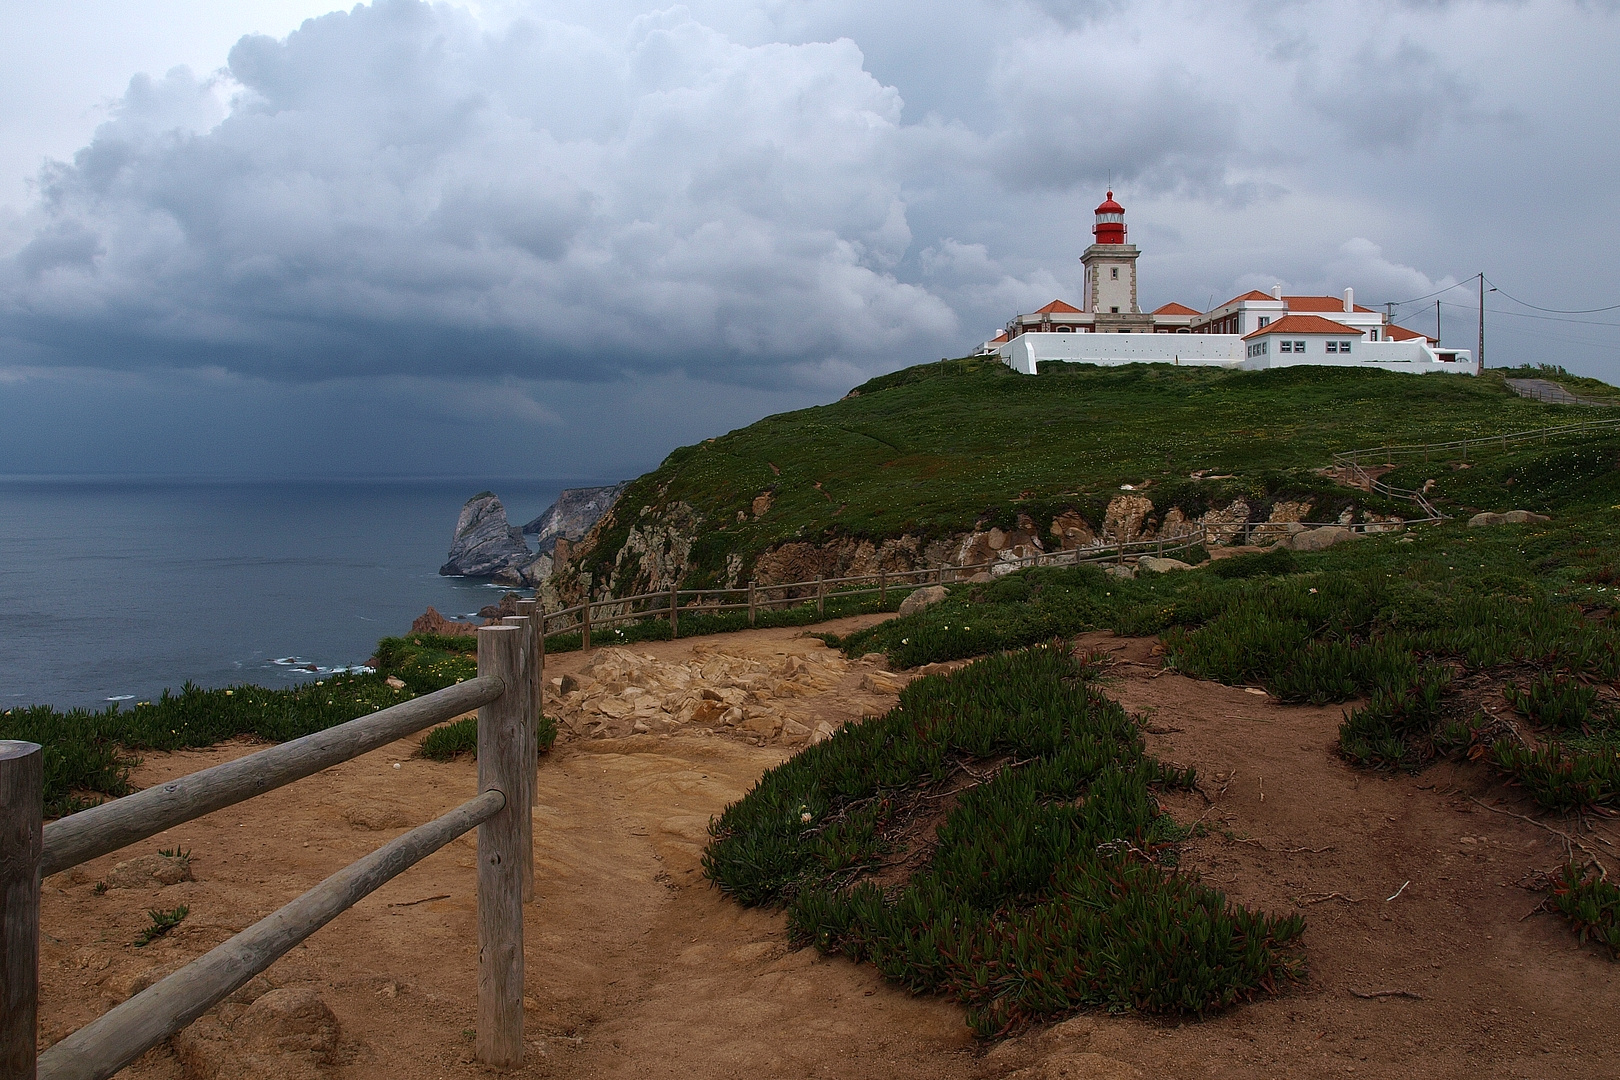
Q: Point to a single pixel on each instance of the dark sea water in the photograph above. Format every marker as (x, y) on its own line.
(115, 589)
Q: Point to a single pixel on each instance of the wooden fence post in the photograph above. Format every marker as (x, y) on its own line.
(22, 802)
(821, 595)
(499, 1035)
(531, 729)
(750, 601)
(585, 625)
(674, 611)
(883, 589)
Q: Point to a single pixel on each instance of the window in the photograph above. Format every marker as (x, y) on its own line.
(1373, 336)
(1114, 309)
(1265, 321)
(1338, 346)
(1113, 272)
(1065, 329)
(1291, 347)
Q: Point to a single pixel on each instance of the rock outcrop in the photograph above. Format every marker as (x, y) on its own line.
(572, 515)
(431, 622)
(1512, 517)
(922, 598)
(484, 543)
(282, 1034)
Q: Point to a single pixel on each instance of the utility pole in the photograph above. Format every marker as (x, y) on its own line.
(1479, 357)
(1437, 322)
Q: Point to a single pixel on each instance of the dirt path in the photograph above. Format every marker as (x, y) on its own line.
(637, 968)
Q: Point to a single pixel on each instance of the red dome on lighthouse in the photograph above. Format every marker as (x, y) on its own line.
(1110, 227)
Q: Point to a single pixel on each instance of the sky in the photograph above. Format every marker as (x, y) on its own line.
(261, 238)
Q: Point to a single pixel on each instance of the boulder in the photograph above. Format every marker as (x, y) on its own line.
(922, 598)
(285, 1034)
(1116, 570)
(484, 543)
(1319, 539)
(526, 576)
(1155, 565)
(431, 622)
(150, 872)
(1512, 517)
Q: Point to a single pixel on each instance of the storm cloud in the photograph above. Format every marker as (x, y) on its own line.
(518, 215)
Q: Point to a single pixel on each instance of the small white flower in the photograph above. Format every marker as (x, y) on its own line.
(805, 817)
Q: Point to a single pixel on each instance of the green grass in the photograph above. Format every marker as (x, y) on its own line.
(936, 450)
(1050, 885)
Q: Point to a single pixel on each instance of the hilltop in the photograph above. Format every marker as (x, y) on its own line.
(913, 468)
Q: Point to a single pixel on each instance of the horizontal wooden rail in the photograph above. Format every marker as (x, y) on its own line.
(118, 1037)
(121, 822)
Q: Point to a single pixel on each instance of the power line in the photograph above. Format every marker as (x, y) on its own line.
(1431, 296)
(1556, 311)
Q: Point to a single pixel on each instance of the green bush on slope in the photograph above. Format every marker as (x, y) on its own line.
(1049, 887)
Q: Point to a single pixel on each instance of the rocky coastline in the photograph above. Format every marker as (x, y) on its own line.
(486, 544)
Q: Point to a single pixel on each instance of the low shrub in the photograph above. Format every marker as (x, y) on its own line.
(1049, 886)
(461, 737)
(1590, 903)
(1560, 778)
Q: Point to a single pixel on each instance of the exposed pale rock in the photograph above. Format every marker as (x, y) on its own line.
(1155, 565)
(1072, 531)
(150, 872)
(572, 515)
(1512, 517)
(1127, 517)
(484, 543)
(1320, 539)
(762, 503)
(1081, 1066)
(922, 598)
(285, 1034)
(1116, 570)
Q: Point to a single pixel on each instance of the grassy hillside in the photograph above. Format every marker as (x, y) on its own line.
(935, 449)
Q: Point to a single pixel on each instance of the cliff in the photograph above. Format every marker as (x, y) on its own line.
(965, 461)
(484, 543)
(572, 515)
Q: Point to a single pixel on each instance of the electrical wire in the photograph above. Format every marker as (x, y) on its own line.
(1555, 311)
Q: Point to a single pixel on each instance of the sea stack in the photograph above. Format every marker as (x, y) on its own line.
(484, 543)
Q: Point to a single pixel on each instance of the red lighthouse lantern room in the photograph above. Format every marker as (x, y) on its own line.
(1110, 227)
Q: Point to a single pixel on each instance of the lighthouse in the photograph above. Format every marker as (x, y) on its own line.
(1110, 267)
(1110, 227)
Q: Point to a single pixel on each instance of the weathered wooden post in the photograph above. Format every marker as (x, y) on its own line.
(674, 611)
(821, 594)
(883, 589)
(531, 728)
(750, 601)
(585, 624)
(22, 802)
(499, 1034)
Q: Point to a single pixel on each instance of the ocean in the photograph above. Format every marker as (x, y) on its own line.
(112, 589)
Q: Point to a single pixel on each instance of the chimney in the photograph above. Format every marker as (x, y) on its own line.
(1276, 292)
(1349, 300)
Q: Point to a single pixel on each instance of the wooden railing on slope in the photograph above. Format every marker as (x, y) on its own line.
(506, 693)
(1356, 462)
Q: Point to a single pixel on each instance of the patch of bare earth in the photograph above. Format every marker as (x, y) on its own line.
(637, 968)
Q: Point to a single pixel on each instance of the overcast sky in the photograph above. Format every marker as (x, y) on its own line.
(250, 237)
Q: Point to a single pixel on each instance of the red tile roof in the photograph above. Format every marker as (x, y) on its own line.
(1173, 308)
(1304, 324)
(1000, 336)
(1252, 294)
(1057, 307)
(1318, 303)
(1401, 333)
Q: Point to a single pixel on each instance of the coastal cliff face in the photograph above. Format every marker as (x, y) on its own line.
(572, 515)
(484, 543)
(663, 548)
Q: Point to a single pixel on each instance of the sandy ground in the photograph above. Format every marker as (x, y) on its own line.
(637, 968)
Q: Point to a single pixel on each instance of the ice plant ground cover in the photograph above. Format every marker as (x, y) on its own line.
(1049, 880)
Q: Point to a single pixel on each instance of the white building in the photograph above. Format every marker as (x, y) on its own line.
(1252, 331)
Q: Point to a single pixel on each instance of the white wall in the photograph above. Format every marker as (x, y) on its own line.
(1025, 352)
(1414, 357)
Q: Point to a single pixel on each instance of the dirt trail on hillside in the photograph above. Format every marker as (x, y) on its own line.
(636, 968)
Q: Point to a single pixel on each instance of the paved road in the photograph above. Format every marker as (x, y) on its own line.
(1551, 392)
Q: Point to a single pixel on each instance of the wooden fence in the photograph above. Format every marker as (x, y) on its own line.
(594, 615)
(1357, 462)
(506, 693)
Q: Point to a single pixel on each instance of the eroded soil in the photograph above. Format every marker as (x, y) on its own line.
(637, 968)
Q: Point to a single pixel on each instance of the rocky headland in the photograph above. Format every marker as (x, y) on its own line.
(486, 544)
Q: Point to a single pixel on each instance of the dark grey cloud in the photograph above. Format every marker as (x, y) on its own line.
(514, 217)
